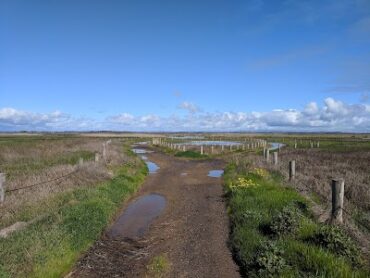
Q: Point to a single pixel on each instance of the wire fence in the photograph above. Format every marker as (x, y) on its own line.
(348, 213)
(43, 182)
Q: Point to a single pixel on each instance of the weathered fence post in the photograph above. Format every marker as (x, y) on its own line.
(295, 144)
(2, 188)
(267, 155)
(184, 148)
(337, 196)
(264, 152)
(201, 149)
(96, 157)
(104, 151)
(318, 144)
(276, 158)
(212, 149)
(80, 161)
(222, 148)
(291, 170)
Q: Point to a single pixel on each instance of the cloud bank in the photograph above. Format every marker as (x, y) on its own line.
(332, 115)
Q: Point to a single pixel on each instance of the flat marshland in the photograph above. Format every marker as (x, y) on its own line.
(61, 194)
(62, 203)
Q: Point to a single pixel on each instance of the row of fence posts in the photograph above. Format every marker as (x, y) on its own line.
(337, 187)
(80, 164)
(202, 149)
(312, 144)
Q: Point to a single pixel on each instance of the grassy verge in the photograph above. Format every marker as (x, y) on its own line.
(74, 220)
(274, 234)
(191, 154)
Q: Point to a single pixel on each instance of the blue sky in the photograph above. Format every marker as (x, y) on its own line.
(185, 65)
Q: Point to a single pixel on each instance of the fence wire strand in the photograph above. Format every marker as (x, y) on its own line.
(43, 182)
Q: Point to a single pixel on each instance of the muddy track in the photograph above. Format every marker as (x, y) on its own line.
(192, 231)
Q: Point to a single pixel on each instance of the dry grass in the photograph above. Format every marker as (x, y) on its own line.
(30, 161)
(314, 171)
(317, 168)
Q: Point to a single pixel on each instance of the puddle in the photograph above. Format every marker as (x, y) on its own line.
(143, 143)
(139, 151)
(153, 168)
(186, 137)
(275, 146)
(138, 216)
(211, 143)
(215, 173)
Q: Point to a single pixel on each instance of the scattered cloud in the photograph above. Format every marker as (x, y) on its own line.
(332, 115)
(189, 106)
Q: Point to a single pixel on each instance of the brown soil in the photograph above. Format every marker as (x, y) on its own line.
(192, 232)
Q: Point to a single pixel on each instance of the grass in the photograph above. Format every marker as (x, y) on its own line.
(27, 166)
(74, 220)
(272, 230)
(191, 154)
(158, 266)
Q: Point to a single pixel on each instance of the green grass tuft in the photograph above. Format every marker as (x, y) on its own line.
(191, 154)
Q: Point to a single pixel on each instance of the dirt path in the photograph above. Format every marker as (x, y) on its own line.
(191, 233)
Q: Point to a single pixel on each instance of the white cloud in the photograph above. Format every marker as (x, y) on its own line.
(333, 115)
(189, 106)
(11, 118)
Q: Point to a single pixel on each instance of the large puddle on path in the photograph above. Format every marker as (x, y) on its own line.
(215, 173)
(136, 219)
(140, 151)
(153, 168)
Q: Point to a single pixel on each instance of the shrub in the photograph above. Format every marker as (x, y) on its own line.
(269, 261)
(334, 239)
(285, 222)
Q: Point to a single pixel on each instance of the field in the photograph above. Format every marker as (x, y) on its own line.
(60, 214)
(63, 191)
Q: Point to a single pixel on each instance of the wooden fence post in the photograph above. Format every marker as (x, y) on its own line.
(264, 152)
(96, 157)
(104, 151)
(291, 170)
(276, 158)
(80, 161)
(268, 155)
(2, 188)
(201, 149)
(337, 196)
(222, 148)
